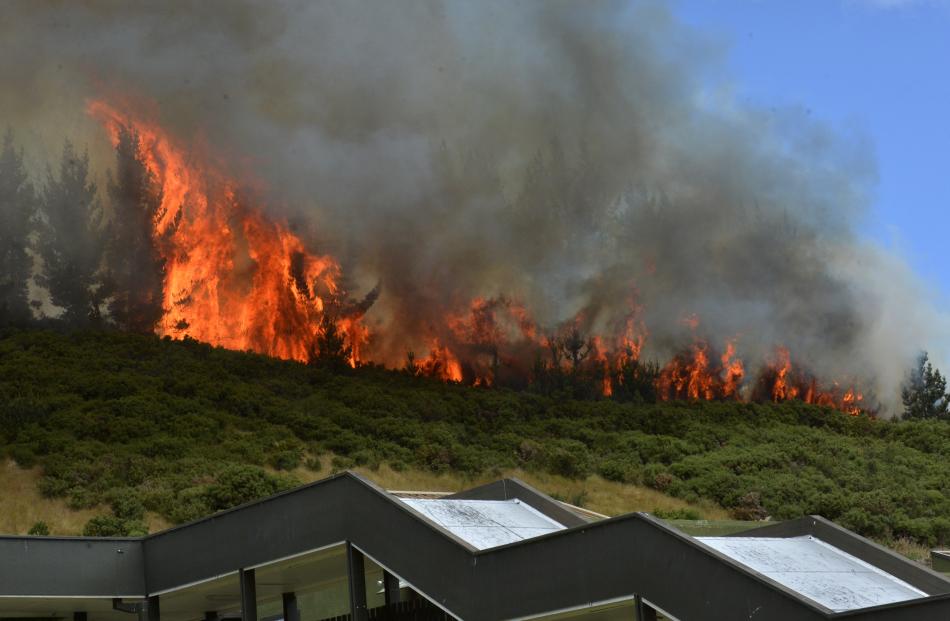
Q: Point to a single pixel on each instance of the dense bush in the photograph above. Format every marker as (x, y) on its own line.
(183, 429)
(112, 526)
(39, 529)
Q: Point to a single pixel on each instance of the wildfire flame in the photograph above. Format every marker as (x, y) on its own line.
(238, 279)
(232, 277)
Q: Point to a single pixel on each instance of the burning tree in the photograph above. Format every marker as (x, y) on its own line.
(191, 252)
(136, 268)
(330, 348)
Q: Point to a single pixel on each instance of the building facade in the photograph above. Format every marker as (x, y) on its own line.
(342, 548)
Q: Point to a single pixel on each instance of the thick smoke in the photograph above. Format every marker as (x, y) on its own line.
(576, 157)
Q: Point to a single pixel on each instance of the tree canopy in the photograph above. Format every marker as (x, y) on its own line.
(17, 214)
(925, 392)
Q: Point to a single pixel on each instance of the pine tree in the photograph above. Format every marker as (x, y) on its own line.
(637, 381)
(330, 349)
(17, 217)
(136, 269)
(71, 240)
(925, 392)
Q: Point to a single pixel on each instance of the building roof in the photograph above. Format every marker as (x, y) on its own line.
(816, 570)
(576, 564)
(486, 523)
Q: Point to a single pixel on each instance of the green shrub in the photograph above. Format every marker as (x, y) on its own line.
(39, 529)
(568, 458)
(23, 456)
(286, 460)
(126, 504)
(112, 526)
(190, 504)
(238, 484)
(620, 468)
(677, 514)
(341, 463)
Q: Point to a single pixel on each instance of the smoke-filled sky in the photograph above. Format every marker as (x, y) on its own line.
(873, 66)
(576, 156)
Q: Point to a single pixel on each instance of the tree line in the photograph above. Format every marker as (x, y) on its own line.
(95, 263)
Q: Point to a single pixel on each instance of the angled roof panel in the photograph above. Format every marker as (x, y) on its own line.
(816, 570)
(486, 523)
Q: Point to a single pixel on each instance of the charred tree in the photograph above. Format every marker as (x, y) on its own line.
(136, 268)
(411, 368)
(71, 241)
(576, 347)
(17, 217)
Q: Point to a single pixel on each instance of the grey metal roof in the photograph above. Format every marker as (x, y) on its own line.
(486, 523)
(816, 570)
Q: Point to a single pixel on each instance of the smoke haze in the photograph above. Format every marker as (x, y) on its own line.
(572, 156)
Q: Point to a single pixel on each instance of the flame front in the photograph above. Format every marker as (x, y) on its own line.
(235, 278)
(232, 277)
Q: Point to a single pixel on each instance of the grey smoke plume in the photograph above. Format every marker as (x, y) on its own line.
(570, 155)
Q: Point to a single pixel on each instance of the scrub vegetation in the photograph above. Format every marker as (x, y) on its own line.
(163, 432)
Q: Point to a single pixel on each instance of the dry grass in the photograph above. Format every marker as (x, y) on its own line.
(22, 506)
(593, 493)
(911, 549)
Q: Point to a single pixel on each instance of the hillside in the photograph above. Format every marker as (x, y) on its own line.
(154, 432)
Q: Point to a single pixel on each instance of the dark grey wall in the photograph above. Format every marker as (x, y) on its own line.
(54, 566)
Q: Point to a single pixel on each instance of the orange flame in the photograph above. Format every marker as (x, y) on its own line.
(788, 384)
(442, 364)
(688, 376)
(237, 279)
(732, 372)
(232, 277)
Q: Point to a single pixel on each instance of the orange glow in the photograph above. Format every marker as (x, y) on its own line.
(786, 384)
(232, 277)
(688, 376)
(442, 364)
(732, 372)
(691, 321)
(782, 387)
(238, 279)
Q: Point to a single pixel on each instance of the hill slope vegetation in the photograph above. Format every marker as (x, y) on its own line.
(181, 429)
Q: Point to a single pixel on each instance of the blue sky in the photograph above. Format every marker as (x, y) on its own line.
(881, 66)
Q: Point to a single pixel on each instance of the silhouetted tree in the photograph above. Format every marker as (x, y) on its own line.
(925, 392)
(576, 347)
(411, 367)
(17, 213)
(71, 240)
(135, 266)
(637, 381)
(331, 350)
